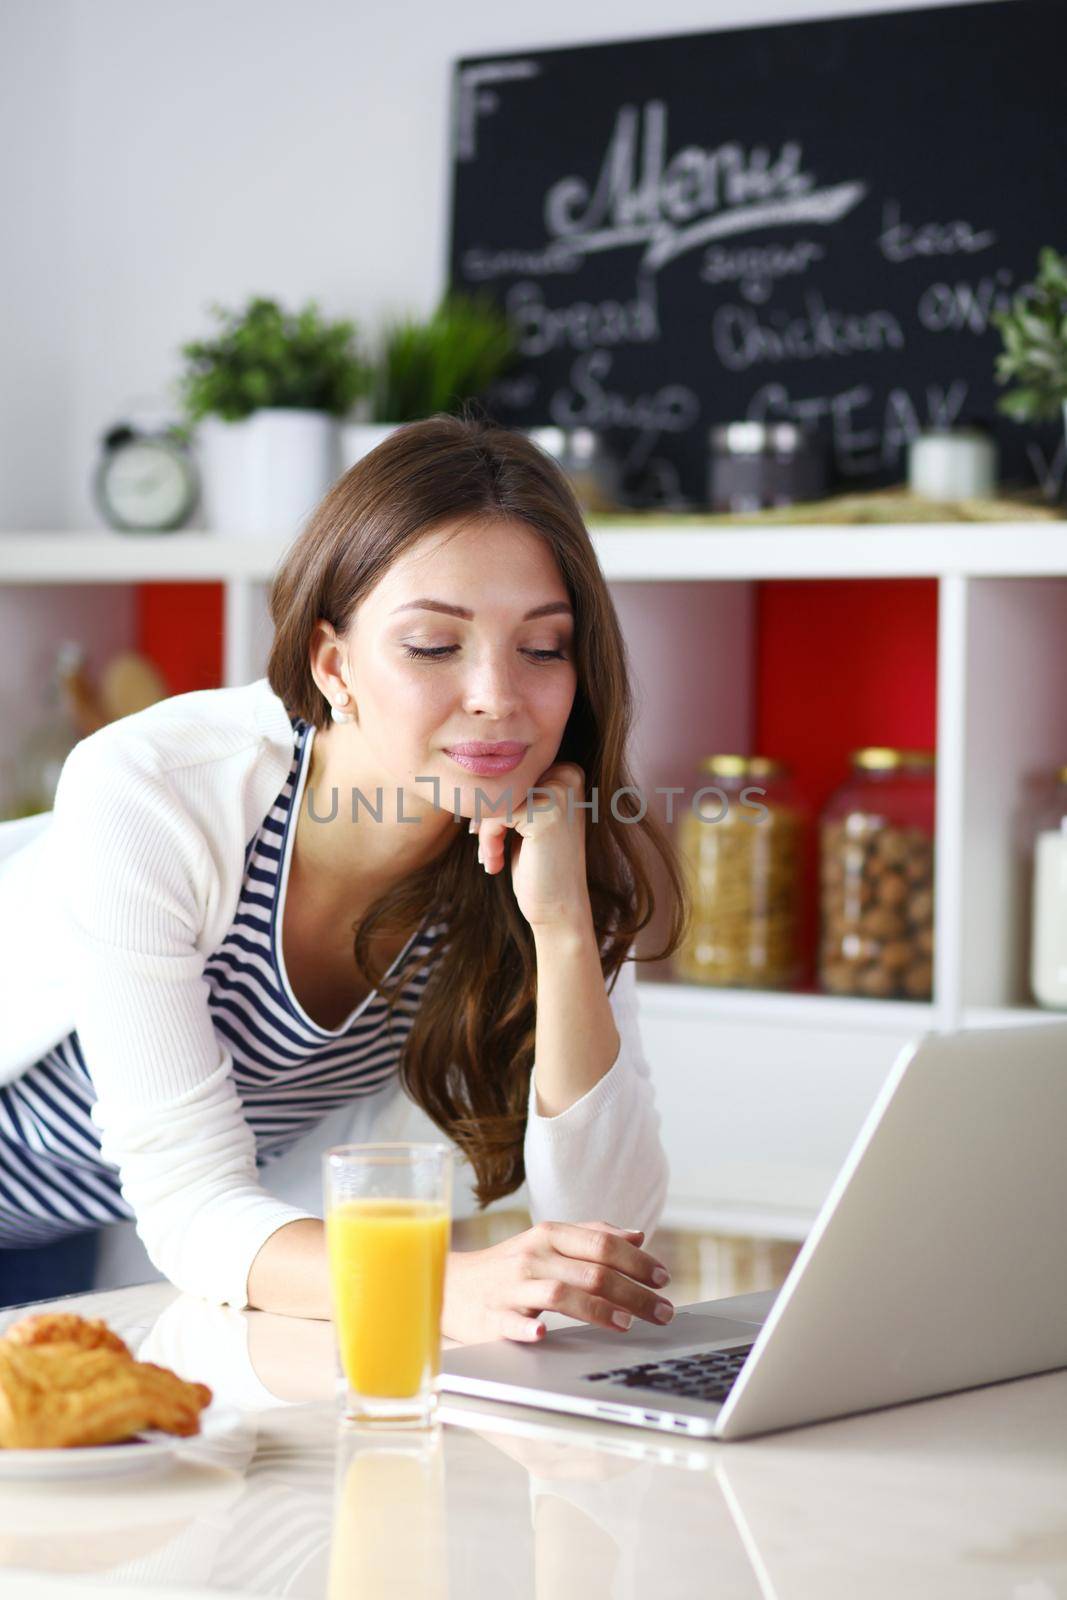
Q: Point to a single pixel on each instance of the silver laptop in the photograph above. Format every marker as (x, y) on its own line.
(937, 1262)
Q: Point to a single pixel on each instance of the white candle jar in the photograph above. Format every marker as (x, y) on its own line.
(953, 464)
(1048, 942)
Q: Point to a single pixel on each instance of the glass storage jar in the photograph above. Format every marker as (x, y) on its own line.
(740, 839)
(877, 878)
(753, 465)
(1048, 936)
(38, 760)
(586, 461)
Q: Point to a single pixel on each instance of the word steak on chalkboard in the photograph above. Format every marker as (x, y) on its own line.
(812, 222)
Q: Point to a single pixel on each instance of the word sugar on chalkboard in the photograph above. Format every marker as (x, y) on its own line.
(812, 221)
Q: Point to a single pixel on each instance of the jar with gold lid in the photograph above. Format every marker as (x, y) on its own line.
(877, 878)
(740, 839)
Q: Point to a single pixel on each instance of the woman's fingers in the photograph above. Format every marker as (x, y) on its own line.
(561, 1295)
(486, 852)
(600, 1242)
(592, 1271)
(635, 1235)
(519, 1325)
(591, 1291)
(490, 834)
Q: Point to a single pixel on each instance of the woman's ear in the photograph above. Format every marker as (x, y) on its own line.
(329, 669)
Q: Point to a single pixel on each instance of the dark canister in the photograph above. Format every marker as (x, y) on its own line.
(753, 465)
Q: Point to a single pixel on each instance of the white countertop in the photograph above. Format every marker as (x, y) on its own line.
(964, 1496)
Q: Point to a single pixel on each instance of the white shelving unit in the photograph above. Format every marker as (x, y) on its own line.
(761, 1095)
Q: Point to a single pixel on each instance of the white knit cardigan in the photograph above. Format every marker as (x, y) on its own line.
(110, 906)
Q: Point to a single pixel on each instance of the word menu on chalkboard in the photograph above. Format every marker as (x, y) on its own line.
(812, 222)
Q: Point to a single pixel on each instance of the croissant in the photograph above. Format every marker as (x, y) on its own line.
(64, 1327)
(67, 1381)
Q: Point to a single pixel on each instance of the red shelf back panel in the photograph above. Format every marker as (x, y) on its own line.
(841, 664)
(180, 628)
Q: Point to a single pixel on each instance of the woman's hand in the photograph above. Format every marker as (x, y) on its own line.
(547, 849)
(590, 1270)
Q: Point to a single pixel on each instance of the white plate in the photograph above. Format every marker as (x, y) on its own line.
(144, 1453)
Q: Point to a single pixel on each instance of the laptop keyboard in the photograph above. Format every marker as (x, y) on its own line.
(708, 1375)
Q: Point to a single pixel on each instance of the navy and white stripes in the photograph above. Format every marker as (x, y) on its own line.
(289, 1072)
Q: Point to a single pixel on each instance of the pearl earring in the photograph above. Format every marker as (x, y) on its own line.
(335, 710)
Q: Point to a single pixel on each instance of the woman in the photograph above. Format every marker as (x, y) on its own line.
(252, 906)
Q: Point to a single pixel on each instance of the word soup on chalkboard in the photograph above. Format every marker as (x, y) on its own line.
(811, 222)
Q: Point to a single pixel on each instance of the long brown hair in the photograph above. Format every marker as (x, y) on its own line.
(468, 1057)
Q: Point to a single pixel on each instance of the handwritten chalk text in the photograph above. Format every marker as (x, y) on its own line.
(587, 403)
(582, 326)
(867, 434)
(901, 241)
(742, 338)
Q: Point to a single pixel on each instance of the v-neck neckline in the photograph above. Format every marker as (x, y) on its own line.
(278, 914)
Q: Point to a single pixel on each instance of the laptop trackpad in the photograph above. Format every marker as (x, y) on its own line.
(697, 1325)
(687, 1328)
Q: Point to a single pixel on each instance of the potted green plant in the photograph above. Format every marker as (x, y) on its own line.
(431, 364)
(265, 397)
(1034, 332)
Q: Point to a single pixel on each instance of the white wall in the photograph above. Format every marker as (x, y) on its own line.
(37, 280)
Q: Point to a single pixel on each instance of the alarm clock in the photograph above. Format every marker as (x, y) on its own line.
(146, 480)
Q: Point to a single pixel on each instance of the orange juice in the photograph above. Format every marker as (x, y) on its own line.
(387, 1274)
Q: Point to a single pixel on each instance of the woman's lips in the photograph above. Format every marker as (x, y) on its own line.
(487, 766)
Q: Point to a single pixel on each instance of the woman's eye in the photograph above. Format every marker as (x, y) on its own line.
(436, 652)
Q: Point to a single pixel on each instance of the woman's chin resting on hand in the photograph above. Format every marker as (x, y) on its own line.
(592, 1270)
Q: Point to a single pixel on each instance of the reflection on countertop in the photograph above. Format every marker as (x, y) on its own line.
(965, 1495)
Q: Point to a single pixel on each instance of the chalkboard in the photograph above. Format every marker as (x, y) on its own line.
(810, 221)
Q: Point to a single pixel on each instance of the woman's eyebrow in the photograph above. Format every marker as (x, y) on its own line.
(461, 611)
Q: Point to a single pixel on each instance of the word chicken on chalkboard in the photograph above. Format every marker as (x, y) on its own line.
(812, 222)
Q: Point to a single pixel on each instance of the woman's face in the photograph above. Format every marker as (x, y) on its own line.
(426, 679)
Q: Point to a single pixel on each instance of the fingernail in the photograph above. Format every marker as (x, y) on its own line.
(621, 1319)
(663, 1312)
(661, 1276)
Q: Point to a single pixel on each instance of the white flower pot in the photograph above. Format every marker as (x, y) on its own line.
(221, 453)
(266, 474)
(358, 439)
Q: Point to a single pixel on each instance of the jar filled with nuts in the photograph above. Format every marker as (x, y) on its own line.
(740, 839)
(877, 878)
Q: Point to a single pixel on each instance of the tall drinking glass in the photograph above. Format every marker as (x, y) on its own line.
(388, 1214)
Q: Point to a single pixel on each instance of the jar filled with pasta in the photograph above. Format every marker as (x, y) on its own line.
(877, 878)
(740, 839)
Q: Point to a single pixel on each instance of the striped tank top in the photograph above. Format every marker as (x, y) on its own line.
(289, 1071)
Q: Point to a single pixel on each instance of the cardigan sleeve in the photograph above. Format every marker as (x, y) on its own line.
(602, 1159)
(134, 870)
